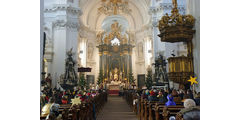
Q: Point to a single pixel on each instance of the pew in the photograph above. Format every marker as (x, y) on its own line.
(84, 111)
(146, 109)
(153, 110)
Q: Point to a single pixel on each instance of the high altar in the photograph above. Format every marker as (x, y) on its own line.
(115, 52)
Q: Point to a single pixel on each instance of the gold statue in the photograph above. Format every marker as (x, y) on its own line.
(99, 37)
(125, 40)
(164, 21)
(106, 40)
(174, 2)
(115, 77)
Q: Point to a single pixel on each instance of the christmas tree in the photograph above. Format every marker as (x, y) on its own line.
(100, 77)
(149, 81)
(131, 78)
(82, 81)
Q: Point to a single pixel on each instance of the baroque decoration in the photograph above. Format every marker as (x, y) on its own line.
(115, 51)
(178, 28)
(114, 7)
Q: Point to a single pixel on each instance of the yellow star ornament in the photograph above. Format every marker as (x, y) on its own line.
(193, 80)
(76, 101)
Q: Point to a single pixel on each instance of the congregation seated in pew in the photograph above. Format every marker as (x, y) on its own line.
(159, 104)
(56, 104)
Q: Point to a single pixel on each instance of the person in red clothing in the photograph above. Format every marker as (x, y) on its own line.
(49, 80)
(64, 100)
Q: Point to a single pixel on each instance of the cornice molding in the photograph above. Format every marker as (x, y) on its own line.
(67, 24)
(166, 6)
(66, 7)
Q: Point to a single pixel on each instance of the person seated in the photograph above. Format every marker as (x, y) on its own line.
(150, 96)
(174, 93)
(190, 94)
(54, 107)
(190, 111)
(64, 100)
(170, 101)
(197, 99)
(162, 99)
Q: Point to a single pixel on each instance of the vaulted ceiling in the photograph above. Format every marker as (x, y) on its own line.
(136, 19)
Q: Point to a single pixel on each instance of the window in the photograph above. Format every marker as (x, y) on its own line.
(115, 41)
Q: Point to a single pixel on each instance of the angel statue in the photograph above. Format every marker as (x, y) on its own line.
(174, 2)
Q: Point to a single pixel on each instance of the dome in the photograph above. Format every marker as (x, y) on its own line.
(108, 21)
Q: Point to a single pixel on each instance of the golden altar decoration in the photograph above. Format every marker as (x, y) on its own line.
(114, 7)
(114, 87)
(178, 28)
(115, 52)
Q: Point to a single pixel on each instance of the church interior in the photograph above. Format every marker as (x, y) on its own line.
(120, 59)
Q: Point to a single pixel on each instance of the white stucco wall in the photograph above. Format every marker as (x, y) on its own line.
(61, 25)
(193, 8)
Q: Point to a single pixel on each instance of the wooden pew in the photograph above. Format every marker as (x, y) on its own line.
(146, 109)
(83, 111)
(163, 112)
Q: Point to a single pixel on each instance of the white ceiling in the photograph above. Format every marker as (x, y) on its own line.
(136, 19)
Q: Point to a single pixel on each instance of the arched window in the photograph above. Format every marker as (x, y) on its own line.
(115, 41)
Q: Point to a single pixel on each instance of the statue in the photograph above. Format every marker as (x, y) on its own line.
(125, 40)
(110, 75)
(120, 76)
(106, 40)
(115, 74)
(99, 37)
(70, 75)
(49, 80)
(174, 2)
(160, 69)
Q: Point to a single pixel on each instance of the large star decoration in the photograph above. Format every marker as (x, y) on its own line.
(193, 80)
(75, 101)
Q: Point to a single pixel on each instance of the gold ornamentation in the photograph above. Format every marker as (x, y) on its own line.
(177, 27)
(125, 40)
(114, 7)
(180, 69)
(116, 30)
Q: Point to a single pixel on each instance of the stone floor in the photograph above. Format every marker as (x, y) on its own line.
(116, 108)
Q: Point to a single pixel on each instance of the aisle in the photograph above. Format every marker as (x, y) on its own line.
(116, 108)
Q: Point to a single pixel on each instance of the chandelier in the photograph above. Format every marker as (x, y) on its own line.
(114, 7)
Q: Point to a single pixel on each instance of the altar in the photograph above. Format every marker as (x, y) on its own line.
(114, 87)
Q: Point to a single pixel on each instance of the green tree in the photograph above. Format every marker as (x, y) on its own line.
(100, 77)
(82, 81)
(131, 77)
(149, 81)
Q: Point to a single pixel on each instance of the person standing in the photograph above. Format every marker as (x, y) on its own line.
(49, 80)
